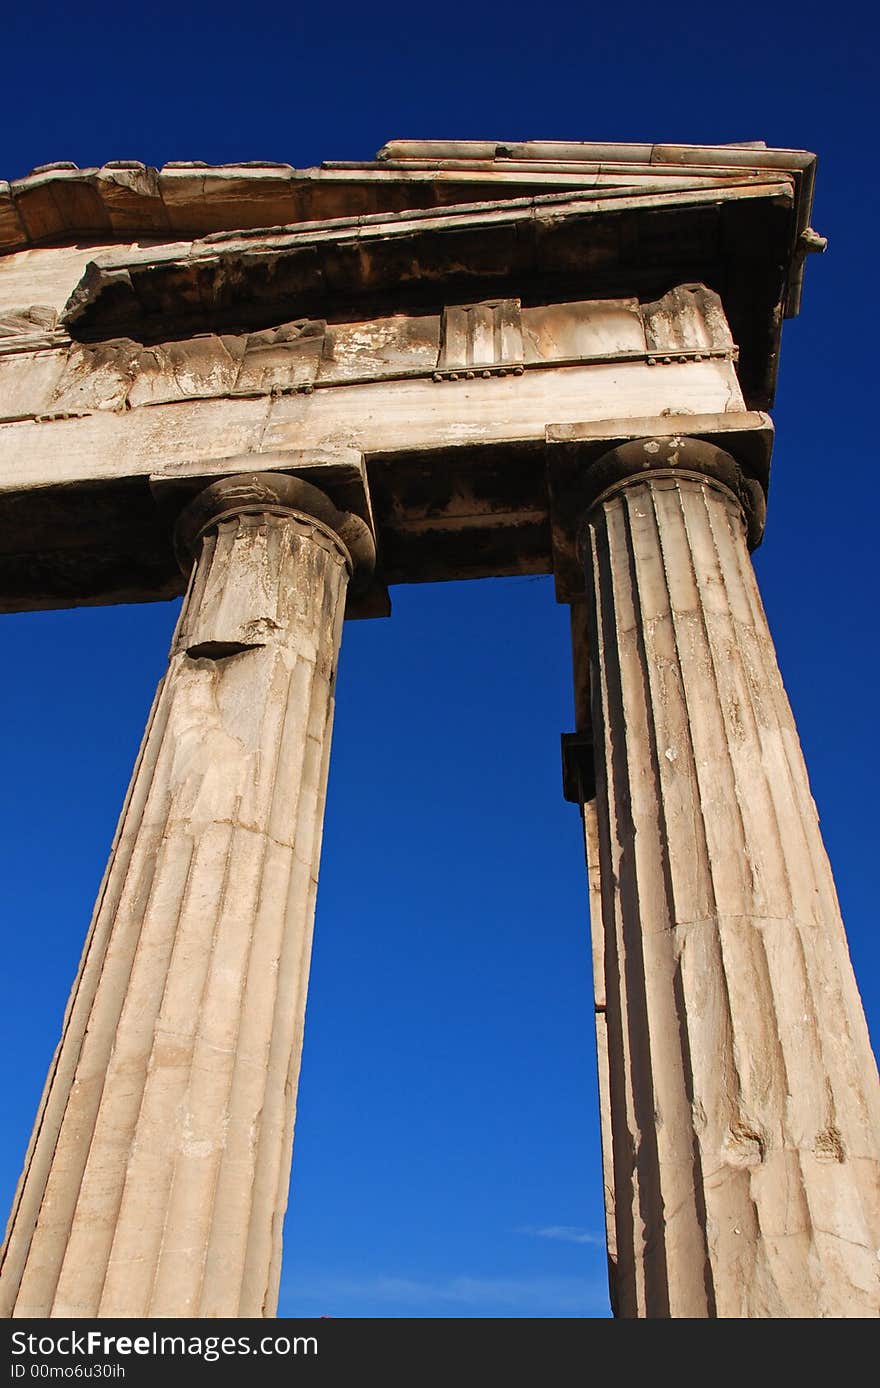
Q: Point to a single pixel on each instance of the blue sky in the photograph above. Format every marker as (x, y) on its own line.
(446, 1160)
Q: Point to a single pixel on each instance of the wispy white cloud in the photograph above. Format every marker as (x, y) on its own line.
(463, 1294)
(564, 1233)
(527, 1295)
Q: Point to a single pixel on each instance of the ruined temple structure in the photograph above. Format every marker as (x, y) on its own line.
(280, 391)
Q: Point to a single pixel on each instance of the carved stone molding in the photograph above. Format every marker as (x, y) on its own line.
(493, 337)
(480, 337)
(121, 373)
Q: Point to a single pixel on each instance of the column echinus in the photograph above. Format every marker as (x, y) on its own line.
(744, 1107)
(156, 1180)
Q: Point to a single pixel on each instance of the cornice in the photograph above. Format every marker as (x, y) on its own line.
(127, 200)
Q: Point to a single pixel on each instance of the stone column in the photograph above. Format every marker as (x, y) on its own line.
(745, 1115)
(156, 1179)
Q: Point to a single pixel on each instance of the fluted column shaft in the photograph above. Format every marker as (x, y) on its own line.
(156, 1180)
(743, 1093)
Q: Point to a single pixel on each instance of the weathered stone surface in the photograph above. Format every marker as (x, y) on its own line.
(28, 323)
(28, 380)
(744, 1108)
(46, 276)
(157, 1176)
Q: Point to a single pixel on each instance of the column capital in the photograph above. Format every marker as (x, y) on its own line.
(682, 456)
(276, 493)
